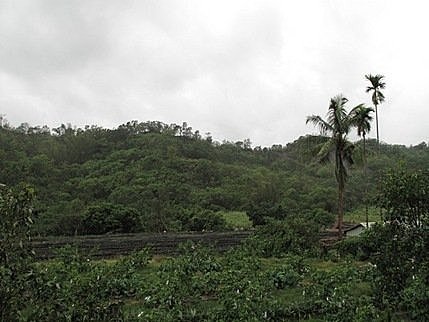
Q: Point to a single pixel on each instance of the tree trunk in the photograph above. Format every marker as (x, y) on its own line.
(340, 211)
(341, 184)
(365, 179)
(376, 122)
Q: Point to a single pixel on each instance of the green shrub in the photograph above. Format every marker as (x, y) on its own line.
(16, 214)
(202, 220)
(355, 246)
(260, 213)
(278, 238)
(75, 288)
(285, 277)
(107, 217)
(415, 297)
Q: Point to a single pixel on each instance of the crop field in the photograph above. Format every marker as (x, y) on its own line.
(104, 246)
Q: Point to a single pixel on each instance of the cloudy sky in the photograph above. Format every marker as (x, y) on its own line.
(237, 69)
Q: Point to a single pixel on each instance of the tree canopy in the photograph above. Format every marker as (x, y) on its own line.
(164, 174)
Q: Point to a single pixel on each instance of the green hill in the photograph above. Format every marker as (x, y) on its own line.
(152, 176)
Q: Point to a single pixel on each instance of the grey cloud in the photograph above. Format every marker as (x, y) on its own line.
(44, 37)
(248, 69)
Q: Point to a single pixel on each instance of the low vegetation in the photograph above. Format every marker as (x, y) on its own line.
(276, 275)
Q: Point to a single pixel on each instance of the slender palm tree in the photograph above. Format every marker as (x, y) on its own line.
(377, 85)
(337, 125)
(361, 118)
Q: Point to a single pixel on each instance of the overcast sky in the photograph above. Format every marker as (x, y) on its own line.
(237, 69)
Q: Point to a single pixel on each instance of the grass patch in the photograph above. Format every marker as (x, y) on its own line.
(358, 215)
(236, 220)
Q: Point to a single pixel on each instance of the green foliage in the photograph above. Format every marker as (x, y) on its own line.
(260, 212)
(201, 220)
(199, 285)
(398, 252)
(405, 196)
(107, 217)
(75, 288)
(161, 169)
(236, 220)
(289, 275)
(70, 288)
(415, 296)
(358, 247)
(320, 217)
(399, 247)
(333, 295)
(15, 254)
(278, 238)
(232, 285)
(358, 215)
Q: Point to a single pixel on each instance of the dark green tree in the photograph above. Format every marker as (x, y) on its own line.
(405, 196)
(399, 246)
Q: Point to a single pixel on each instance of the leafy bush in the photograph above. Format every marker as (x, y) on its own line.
(415, 297)
(15, 253)
(332, 295)
(398, 252)
(74, 288)
(232, 286)
(278, 238)
(356, 246)
(285, 277)
(320, 216)
(399, 247)
(405, 196)
(107, 217)
(290, 274)
(202, 220)
(69, 288)
(260, 213)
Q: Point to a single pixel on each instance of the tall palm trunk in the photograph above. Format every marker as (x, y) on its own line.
(365, 179)
(341, 185)
(378, 147)
(376, 125)
(340, 211)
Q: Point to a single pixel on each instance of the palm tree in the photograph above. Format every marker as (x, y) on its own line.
(377, 96)
(361, 118)
(338, 125)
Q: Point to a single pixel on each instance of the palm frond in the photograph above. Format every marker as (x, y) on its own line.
(360, 117)
(324, 127)
(376, 86)
(380, 97)
(348, 153)
(369, 89)
(378, 78)
(326, 151)
(337, 114)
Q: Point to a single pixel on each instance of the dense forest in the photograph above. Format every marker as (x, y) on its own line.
(278, 274)
(151, 176)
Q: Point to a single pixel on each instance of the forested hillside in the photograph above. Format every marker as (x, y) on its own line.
(151, 176)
